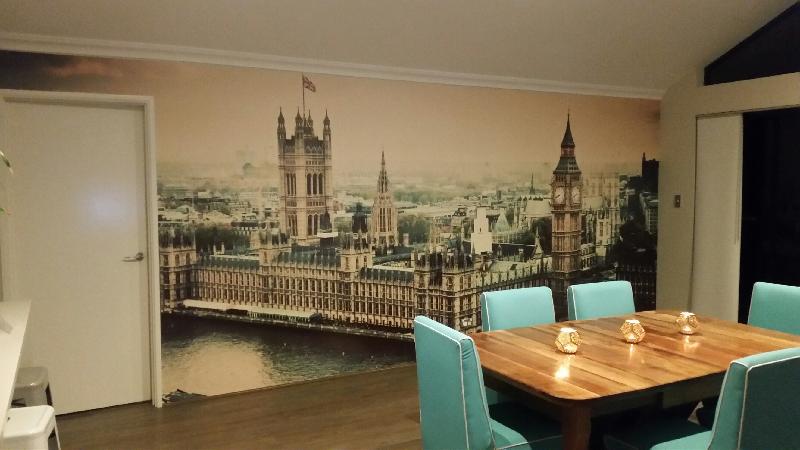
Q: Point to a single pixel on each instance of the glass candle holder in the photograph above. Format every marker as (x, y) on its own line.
(687, 323)
(568, 340)
(632, 331)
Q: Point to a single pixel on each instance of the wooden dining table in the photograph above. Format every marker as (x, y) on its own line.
(608, 375)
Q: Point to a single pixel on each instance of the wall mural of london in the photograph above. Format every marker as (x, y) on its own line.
(306, 219)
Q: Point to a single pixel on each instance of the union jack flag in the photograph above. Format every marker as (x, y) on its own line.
(308, 84)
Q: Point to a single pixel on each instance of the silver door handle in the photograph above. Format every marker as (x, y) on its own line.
(138, 257)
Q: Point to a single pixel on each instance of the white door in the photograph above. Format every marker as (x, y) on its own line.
(718, 193)
(77, 208)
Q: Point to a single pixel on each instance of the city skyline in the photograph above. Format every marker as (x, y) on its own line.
(585, 216)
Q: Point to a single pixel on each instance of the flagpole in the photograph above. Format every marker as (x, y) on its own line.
(303, 89)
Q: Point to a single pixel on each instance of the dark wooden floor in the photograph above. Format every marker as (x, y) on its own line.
(370, 410)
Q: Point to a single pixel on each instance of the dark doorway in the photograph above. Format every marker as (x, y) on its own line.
(770, 201)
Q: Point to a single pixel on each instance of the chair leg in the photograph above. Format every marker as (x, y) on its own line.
(705, 414)
(58, 440)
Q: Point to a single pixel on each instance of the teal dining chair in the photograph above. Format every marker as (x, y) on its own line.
(603, 299)
(775, 306)
(514, 308)
(758, 408)
(453, 409)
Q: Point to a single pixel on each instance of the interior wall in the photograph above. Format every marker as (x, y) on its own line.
(248, 237)
(680, 107)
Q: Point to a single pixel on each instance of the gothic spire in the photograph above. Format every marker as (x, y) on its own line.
(567, 162)
(326, 130)
(309, 124)
(281, 126)
(531, 189)
(298, 124)
(567, 142)
(383, 179)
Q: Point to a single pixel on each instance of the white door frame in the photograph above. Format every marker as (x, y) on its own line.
(692, 302)
(151, 198)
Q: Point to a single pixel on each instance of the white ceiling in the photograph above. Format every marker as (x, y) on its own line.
(636, 47)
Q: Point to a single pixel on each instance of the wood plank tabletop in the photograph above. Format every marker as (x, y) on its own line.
(605, 365)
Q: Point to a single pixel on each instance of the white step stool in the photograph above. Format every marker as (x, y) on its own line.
(30, 428)
(32, 387)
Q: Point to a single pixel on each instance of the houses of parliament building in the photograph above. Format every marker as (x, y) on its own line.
(305, 268)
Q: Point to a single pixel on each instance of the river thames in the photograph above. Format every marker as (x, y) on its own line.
(212, 357)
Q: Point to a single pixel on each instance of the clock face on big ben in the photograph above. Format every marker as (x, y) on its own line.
(558, 195)
(576, 195)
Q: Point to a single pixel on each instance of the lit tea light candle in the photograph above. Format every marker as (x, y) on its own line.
(568, 340)
(632, 331)
(687, 323)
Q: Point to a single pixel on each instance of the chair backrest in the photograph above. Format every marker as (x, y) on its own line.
(758, 407)
(452, 403)
(604, 299)
(775, 306)
(514, 308)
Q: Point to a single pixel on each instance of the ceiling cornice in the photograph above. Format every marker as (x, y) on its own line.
(122, 49)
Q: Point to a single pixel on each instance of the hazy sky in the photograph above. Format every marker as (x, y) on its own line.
(227, 115)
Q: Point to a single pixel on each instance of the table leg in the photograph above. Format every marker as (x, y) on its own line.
(576, 426)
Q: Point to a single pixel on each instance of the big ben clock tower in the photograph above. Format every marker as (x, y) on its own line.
(565, 205)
